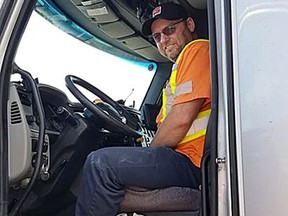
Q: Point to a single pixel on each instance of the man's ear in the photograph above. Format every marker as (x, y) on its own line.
(191, 24)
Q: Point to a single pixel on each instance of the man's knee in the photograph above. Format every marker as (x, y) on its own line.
(99, 159)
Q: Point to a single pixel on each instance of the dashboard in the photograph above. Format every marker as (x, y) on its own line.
(68, 127)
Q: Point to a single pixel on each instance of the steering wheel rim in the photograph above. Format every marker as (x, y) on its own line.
(122, 128)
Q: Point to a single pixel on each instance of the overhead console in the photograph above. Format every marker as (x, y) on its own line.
(120, 23)
(115, 25)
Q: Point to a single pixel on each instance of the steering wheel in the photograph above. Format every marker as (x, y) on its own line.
(121, 121)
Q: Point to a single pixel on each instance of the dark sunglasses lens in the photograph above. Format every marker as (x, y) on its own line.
(169, 30)
(157, 37)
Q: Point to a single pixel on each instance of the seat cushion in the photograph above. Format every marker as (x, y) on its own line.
(166, 199)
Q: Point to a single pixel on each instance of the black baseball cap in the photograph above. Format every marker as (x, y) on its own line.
(168, 11)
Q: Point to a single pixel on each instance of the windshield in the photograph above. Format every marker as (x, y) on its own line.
(49, 54)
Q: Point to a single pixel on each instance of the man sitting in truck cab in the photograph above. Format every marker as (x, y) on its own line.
(173, 159)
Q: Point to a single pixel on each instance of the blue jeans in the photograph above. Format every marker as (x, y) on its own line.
(108, 171)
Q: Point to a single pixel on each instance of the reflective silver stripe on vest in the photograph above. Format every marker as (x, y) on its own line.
(169, 98)
(183, 88)
(198, 125)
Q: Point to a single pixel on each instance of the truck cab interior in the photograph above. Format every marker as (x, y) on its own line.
(49, 136)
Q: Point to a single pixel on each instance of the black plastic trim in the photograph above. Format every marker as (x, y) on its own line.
(209, 167)
(41, 114)
(205, 209)
(231, 110)
(161, 75)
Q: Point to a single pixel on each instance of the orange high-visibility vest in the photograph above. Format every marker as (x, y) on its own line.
(199, 125)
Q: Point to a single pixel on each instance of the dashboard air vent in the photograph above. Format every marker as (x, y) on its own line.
(15, 113)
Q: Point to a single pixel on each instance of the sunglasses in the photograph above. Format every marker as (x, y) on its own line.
(168, 30)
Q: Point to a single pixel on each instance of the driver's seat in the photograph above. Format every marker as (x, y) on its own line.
(171, 201)
(159, 202)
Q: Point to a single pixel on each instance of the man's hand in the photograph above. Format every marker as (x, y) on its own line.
(177, 123)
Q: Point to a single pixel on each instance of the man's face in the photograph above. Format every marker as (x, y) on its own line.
(171, 45)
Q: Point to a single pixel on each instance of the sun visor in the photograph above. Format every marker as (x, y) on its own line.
(135, 42)
(117, 29)
(151, 53)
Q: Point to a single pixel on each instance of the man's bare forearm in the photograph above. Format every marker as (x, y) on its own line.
(176, 124)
